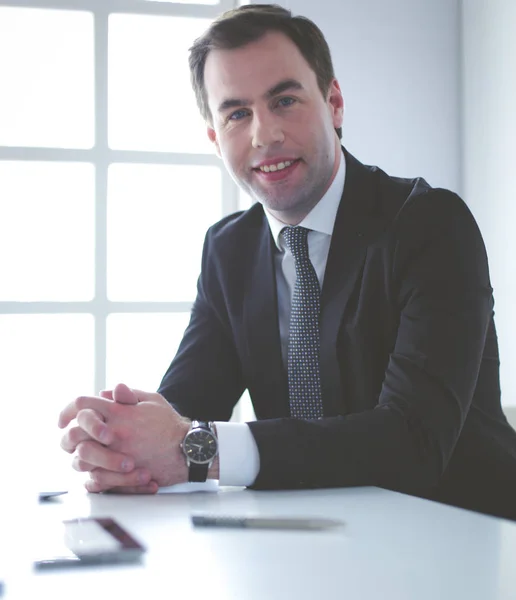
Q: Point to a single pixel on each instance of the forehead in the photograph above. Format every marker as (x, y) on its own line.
(251, 70)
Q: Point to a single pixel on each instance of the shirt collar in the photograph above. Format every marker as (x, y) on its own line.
(322, 216)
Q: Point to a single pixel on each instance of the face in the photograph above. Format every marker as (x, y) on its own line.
(272, 126)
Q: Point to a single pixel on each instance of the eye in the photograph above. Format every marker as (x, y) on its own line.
(287, 101)
(237, 115)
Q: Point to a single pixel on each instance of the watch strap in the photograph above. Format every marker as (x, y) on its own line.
(197, 473)
(201, 425)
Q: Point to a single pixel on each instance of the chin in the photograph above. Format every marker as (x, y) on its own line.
(281, 207)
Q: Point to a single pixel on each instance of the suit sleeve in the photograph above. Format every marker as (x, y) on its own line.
(204, 381)
(439, 277)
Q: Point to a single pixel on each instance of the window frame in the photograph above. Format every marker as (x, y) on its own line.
(102, 157)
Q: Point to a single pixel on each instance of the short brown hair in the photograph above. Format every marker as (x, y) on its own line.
(240, 26)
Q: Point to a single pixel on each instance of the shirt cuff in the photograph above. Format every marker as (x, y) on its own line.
(239, 460)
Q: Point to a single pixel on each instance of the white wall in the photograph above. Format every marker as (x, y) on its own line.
(489, 100)
(398, 65)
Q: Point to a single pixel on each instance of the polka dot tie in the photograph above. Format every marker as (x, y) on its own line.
(304, 379)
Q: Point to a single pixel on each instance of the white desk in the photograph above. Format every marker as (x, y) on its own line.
(393, 546)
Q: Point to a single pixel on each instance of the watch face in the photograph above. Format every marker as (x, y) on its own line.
(200, 446)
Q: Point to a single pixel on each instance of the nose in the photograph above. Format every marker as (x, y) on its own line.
(266, 130)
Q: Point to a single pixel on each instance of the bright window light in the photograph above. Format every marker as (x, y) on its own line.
(46, 78)
(151, 103)
(157, 219)
(47, 234)
(47, 361)
(141, 347)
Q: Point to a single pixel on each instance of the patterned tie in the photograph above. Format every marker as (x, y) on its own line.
(304, 379)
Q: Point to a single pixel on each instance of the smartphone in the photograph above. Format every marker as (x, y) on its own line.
(89, 541)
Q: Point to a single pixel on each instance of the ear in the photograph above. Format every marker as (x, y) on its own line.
(213, 139)
(336, 103)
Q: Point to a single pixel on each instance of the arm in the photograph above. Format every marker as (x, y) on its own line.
(440, 283)
(204, 381)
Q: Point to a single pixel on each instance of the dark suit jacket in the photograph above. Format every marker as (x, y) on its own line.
(409, 355)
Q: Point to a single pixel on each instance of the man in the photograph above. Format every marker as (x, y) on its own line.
(355, 307)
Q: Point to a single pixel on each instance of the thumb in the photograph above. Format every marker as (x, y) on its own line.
(124, 395)
(153, 397)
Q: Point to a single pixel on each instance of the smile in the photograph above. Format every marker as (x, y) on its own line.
(277, 167)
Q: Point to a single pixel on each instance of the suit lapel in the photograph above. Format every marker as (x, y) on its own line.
(355, 226)
(261, 321)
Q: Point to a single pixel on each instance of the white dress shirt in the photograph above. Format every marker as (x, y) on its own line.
(239, 460)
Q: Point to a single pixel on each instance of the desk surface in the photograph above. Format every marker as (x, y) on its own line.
(392, 546)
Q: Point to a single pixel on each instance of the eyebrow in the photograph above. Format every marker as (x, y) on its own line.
(283, 86)
(279, 88)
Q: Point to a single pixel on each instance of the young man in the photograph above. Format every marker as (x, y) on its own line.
(355, 307)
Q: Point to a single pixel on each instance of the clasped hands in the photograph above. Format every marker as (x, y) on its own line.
(128, 440)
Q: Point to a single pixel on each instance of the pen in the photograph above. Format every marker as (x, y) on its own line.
(314, 524)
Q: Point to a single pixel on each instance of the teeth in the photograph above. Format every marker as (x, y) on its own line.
(279, 167)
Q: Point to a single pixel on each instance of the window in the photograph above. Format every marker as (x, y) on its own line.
(107, 186)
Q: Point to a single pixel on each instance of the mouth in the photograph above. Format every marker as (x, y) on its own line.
(279, 166)
(277, 171)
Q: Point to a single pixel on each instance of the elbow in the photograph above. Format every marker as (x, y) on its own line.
(422, 458)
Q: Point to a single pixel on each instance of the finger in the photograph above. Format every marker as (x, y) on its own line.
(100, 456)
(82, 466)
(140, 396)
(101, 405)
(67, 415)
(108, 394)
(108, 479)
(124, 395)
(150, 488)
(73, 437)
(93, 424)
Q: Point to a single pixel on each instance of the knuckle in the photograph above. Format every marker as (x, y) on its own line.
(75, 436)
(81, 465)
(97, 429)
(81, 402)
(66, 444)
(84, 450)
(97, 475)
(108, 480)
(86, 418)
(92, 487)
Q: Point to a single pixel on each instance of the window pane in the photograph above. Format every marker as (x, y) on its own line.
(46, 78)
(46, 231)
(151, 103)
(140, 347)
(157, 219)
(47, 361)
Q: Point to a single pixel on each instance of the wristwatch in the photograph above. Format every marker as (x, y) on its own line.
(200, 447)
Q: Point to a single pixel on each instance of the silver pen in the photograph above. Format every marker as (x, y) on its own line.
(305, 524)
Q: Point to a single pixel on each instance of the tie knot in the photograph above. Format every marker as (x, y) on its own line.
(296, 239)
